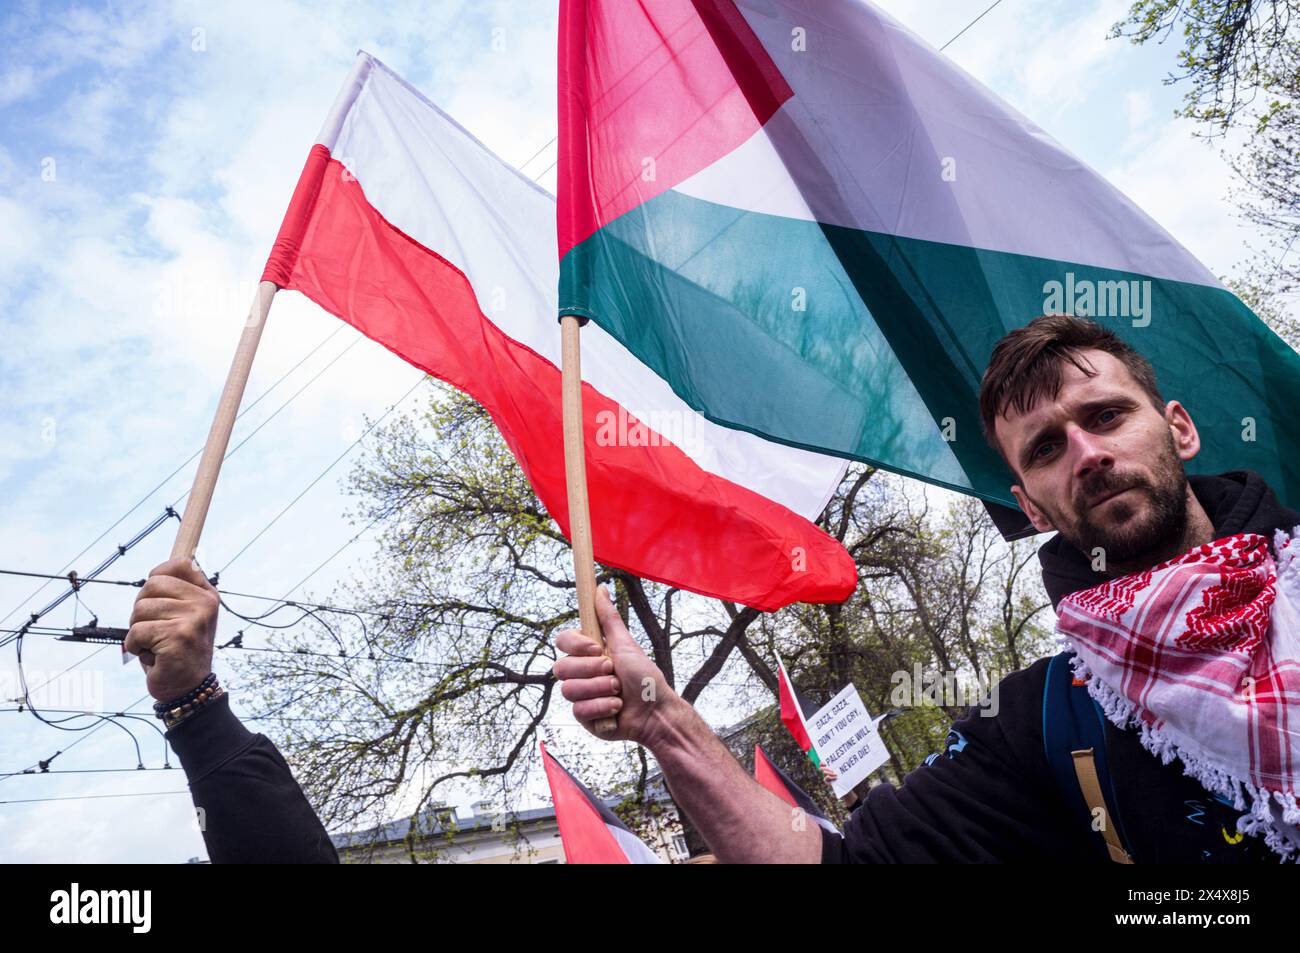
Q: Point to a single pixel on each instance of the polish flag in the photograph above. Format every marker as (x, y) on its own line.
(411, 230)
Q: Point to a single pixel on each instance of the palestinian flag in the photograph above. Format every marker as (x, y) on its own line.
(796, 709)
(590, 831)
(778, 782)
(815, 228)
(411, 230)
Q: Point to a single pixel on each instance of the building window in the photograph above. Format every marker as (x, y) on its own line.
(679, 847)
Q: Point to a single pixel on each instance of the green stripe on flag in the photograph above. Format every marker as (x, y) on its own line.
(871, 346)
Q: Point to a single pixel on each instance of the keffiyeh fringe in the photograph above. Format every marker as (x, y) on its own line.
(1274, 815)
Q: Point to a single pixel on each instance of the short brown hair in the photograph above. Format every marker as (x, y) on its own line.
(1026, 367)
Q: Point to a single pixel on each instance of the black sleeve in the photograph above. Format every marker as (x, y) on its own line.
(991, 799)
(250, 808)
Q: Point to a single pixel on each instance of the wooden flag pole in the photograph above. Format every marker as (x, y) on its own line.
(205, 480)
(575, 472)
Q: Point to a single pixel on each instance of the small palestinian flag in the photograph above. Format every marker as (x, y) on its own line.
(796, 709)
(590, 832)
(778, 782)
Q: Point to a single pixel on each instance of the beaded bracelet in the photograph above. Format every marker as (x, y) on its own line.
(173, 713)
(160, 707)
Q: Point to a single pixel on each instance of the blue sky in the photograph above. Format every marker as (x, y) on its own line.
(175, 133)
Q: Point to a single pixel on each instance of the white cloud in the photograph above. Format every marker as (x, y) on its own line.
(16, 83)
(1138, 106)
(1068, 58)
(1183, 184)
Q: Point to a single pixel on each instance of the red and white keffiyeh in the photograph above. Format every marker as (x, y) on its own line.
(1202, 654)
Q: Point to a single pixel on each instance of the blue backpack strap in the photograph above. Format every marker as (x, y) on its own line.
(1072, 721)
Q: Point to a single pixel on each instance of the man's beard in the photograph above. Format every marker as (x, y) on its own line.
(1117, 533)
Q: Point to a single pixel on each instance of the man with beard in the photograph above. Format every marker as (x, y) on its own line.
(1098, 457)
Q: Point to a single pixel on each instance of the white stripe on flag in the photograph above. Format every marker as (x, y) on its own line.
(397, 145)
(879, 105)
(636, 850)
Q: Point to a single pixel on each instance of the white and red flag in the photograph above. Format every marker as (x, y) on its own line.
(590, 831)
(411, 230)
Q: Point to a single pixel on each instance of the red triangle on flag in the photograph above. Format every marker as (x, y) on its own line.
(586, 836)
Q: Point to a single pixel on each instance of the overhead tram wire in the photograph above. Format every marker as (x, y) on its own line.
(344, 656)
(524, 164)
(969, 25)
(75, 582)
(396, 614)
(178, 469)
(77, 664)
(326, 719)
(320, 476)
(308, 610)
(281, 603)
(169, 512)
(59, 722)
(90, 797)
(357, 340)
(328, 559)
(55, 577)
(467, 664)
(311, 610)
(86, 734)
(341, 657)
(19, 774)
(101, 716)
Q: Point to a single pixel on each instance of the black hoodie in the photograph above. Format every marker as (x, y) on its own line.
(993, 797)
(249, 807)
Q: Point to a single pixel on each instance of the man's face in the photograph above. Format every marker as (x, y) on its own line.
(1100, 464)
